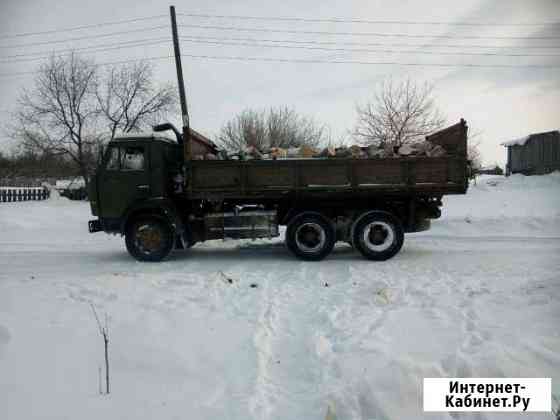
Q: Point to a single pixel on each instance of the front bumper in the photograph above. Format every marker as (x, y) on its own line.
(94, 226)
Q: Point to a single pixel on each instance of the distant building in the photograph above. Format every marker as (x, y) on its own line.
(535, 154)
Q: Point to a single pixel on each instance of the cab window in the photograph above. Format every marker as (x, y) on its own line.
(125, 158)
(113, 159)
(132, 158)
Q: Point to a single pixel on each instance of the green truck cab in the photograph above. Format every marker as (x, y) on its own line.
(149, 190)
(136, 177)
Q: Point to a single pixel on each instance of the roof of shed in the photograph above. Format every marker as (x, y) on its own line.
(522, 140)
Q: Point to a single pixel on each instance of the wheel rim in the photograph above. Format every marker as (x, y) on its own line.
(149, 238)
(310, 237)
(378, 236)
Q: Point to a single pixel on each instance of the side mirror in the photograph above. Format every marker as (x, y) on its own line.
(169, 126)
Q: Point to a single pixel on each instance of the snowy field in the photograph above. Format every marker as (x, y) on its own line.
(478, 295)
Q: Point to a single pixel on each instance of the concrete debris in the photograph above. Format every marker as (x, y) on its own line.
(342, 152)
(307, 152)
(278, 153)
(436, 151)
(423, 148)
(357, 152)
(327, 152)
(406, 150)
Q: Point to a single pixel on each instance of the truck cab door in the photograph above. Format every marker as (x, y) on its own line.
(124, 179)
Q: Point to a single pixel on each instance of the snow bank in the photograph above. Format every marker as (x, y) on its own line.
(506, 206)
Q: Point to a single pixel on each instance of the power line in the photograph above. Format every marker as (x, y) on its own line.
(77, 28)
(135, 60)
(272, 18)
(313, 61)
(370, 44)
(306, 45)
(224, 41)
(316, 61)
(24, 73)
(339, 20)
(374, 34)
(94, 48)
(32, 44)
(150, 41)
(266, 40)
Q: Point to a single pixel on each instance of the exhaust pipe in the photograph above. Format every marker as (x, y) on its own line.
(169, 126)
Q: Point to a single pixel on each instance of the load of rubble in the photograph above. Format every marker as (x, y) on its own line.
(422, 148)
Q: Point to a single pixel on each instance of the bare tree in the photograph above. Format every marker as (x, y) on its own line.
(399, 113)
(29, 167)
(129, 101)
(8, 169)
(74, 108)
(279, 127)
(285, 128)
(246, 129)
(474, 155)
(58, 115)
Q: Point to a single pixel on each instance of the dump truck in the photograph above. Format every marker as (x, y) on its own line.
(150, 190)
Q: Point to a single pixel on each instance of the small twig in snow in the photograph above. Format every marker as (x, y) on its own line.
(104, 331)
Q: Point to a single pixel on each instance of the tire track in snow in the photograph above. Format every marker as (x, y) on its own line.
(357, 324)
(291, 342)
(363, 322)
(304, 332)
(260, 405)
(473, 337)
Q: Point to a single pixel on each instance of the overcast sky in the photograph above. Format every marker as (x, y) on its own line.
(499, 102)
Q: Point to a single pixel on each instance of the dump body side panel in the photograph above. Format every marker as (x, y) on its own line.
(276, 178)
(313, 177)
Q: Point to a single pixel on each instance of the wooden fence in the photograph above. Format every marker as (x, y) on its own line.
(9, 194)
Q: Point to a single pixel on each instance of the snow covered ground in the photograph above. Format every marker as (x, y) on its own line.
(478, 295)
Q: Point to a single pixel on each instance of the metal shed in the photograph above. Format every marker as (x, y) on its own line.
(535, 154)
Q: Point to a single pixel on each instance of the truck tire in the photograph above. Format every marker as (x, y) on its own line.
(310, 236)
(378, 235)
(149, 238)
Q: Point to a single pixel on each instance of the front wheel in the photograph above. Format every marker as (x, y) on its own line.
(310, 236)
(378, 235)
(149, 238)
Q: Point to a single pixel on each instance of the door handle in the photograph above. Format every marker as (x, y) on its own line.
(143, 187)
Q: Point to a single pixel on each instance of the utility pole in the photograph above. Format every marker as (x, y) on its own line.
(181, 83)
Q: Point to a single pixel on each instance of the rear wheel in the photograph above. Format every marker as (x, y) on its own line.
(149, 238)
(310, 236)
(378, 235)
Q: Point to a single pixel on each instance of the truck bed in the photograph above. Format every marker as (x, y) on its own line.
(339, 176)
